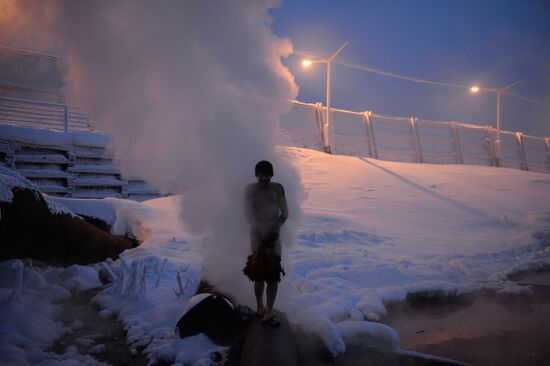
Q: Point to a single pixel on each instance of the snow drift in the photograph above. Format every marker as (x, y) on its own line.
(373, 233)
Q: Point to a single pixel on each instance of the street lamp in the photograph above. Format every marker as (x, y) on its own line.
(498, 92)
(327, 60)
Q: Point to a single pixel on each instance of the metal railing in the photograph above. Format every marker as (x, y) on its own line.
(21, 92)
(413, 140)
(44, 115)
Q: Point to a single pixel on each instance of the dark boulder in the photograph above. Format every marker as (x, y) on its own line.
(28, 229)
(268, 346)
(216, 317)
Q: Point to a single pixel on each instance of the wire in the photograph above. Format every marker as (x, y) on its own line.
(397, 76)
(523, 97)
(315, 55)
(394, 75)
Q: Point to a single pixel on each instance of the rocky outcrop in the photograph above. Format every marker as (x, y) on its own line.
(251, 342)
(268, 346)
(29, 229)
(215, 316)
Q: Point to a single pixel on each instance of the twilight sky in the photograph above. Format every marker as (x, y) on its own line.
(490, 42)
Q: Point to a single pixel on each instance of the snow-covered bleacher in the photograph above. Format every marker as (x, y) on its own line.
(72, 164)
(413, 140)
(40, 114)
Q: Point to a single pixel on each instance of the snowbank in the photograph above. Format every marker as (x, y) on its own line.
(372, 233)
(29, 307)
(376, 231)
(10, 180)
(119, 214)
(54, 138)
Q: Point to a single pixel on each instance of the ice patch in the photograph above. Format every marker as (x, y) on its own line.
(512, 288)
(98, 348)
(84, 342)
(105, 314)
(311, 322)
(194, 350)
(369, 334)
(80, 278)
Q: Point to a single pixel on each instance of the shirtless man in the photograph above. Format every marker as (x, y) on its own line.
(266, 211)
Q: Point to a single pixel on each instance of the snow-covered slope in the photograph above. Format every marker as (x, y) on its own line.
(420, 212)
(373, 231)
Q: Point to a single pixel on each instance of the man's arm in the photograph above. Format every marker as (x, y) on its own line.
(282, 206)
(249, 210)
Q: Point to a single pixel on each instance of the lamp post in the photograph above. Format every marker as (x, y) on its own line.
(326, 127)
(498, 92)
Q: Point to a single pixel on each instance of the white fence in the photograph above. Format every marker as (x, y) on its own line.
(413, 140)
(353, 133)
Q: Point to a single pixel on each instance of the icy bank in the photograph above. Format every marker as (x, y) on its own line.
(10, 180)
(373, 232)
(376, 231)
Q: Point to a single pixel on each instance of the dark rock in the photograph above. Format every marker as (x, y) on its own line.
(265, 345)
(104, 226)
(251, 342)
(215, 317)
(29, 230)
(97, 222)
(216, 356)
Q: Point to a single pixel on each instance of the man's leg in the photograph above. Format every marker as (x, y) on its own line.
(271, 293)
(259, 292)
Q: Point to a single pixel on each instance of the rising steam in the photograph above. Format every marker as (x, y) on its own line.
(191, 93)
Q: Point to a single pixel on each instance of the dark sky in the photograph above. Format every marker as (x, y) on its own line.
(492, 43)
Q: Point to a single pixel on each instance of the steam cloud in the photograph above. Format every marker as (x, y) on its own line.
(191, 93)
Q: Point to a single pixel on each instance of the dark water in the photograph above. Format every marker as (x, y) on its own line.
(482, 329)
(108, 332)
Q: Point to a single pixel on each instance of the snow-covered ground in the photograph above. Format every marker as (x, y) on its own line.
(372, 232)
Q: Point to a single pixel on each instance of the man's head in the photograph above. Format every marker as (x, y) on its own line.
(264, 171)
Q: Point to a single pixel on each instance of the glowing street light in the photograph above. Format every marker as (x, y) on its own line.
(307, 63)
(327, 60)
(498, 92)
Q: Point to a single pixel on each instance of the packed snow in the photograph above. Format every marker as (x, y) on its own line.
(10, 180)
(54, 138)
(372, 232)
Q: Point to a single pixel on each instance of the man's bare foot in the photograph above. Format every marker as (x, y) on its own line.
(260, 312)
(271, 320)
